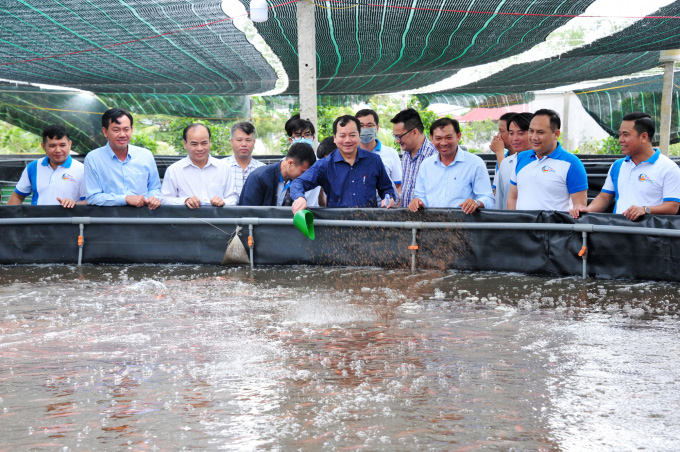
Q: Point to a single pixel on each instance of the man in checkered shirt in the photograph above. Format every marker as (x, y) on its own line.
(407, 128)
(242, 162)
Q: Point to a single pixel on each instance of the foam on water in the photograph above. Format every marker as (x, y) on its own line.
(172, 357)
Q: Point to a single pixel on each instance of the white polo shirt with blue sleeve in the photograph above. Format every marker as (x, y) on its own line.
(546, 183)
(649, 183)
(46, 184)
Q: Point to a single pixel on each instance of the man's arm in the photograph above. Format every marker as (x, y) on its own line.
(384, 182)
(482, 187)
(15, 199)
(580, 198)
(94, 190)
(170, 190)
(253, 192)
(665, 208)
(599, 204)
(512, 197)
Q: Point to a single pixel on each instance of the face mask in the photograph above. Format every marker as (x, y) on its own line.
(368, 135)
(309, 141)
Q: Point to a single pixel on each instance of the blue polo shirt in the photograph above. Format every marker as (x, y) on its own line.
(346, 185)
(649, 183)
(546, 183)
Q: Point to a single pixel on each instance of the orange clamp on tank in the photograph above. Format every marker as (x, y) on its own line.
(413, 247)
(583, 251)
(250, 241)
(80, 240)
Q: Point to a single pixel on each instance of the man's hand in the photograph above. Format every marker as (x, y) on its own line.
(217, 201)
(66, 203)
(135, 200)
(153, 202)
(390, 204)
(497, 147)
(634, 212)
(469, 206)
(415, 204)
(299, 204)
(578, 210)
(193, 202)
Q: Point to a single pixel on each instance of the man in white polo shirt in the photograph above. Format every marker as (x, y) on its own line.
(199, 179)
(547, 177)
(54, 179)
(644, 182)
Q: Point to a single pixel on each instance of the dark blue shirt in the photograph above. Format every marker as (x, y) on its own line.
(345, 185)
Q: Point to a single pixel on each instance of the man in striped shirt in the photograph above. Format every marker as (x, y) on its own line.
(408, 128)
(242, 163)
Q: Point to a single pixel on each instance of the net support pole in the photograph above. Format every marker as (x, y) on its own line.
(565, 120)
(306, 29)
(668, 58)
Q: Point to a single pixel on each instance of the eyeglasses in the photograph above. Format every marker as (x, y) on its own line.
(370, 125)
(307, 134)
(399, 137)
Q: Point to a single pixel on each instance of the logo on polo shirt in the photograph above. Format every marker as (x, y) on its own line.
(68, 177)
(644, 178)
(547, 169)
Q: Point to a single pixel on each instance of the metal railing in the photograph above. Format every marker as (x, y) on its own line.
(414, 226)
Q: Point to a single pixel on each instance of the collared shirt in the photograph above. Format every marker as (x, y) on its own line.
(439, 185)
(46, 184)
(183, 180)
(501, 180)
(649, 183)
(240, 175)
(312, 196)
(546, 183)
(346, 185)
(108, 180)
(392, 162)
(410, 168)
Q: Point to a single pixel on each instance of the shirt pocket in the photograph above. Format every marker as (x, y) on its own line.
(137, 182)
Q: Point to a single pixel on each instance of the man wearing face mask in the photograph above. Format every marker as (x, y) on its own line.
(302, 131)
(370, 124)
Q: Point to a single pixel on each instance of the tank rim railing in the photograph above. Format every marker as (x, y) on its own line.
(414, 226)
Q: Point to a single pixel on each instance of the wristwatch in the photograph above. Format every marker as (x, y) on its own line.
(647, 210)
(479, 204)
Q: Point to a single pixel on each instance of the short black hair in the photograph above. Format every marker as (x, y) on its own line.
(507, 117)
(643, 123)
(443, 122)
(366, 112)
(244, 127)
(326, 146)
(193, 126)
(299, 126)
(555, 122)
(289, 123)
(522, 120)
(301, 153)
(113, 115)
(410, 118)
(54, 132)
(343, 121)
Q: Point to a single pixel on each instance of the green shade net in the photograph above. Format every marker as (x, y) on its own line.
(631, 50)
(33, 109)
(608, 103)
(379, 47)
(216, 108)
(135, 46)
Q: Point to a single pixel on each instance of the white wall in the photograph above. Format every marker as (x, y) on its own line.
(581, 127)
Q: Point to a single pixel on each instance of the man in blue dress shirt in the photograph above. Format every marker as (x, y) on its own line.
(119, 173)
(349, 175)
(453, 177)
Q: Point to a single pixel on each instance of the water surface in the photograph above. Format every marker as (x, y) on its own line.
(188, 357)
